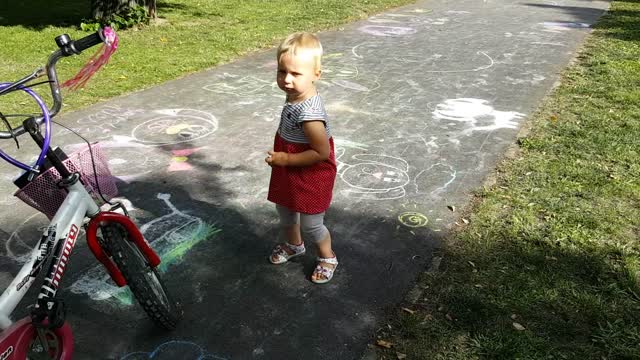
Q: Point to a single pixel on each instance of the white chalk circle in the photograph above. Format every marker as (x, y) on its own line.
(175, 126)
(379, 30)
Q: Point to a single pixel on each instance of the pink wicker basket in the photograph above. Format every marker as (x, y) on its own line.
(44, 195)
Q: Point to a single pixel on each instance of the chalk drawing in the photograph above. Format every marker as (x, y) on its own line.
(373, 177)
(22, 240)
(268, 114)
(128, 159)
(171, 350)
(174, 126)
(387, 31)
(437, 59)
(243, 86)
(103, 123)
(376, 20)
(564, 26)
(179, 161)
(170, 235)
(413, 219)
(8, 200)
(476, 115)
(439, 174)
(529, 79)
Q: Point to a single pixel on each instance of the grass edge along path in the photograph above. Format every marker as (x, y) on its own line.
(549, 265)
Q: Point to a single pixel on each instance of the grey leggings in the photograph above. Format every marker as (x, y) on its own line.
(311, 225)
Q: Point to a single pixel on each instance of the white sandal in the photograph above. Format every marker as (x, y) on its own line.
(326, 272)
(282, 255)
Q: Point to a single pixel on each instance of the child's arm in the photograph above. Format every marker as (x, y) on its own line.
(317, 136)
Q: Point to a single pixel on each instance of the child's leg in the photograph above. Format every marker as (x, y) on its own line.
(289, 225)
(313, 229)
(290, 231)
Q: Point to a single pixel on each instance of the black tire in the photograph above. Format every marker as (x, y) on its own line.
(143, 280)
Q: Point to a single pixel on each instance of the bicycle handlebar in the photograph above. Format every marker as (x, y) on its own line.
(67, 47)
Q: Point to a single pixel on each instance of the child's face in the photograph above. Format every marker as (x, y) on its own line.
(296, 75)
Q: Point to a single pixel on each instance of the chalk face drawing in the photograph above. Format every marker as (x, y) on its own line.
(476, 115)
(413, 219)
(373, 177)
(170, 235)
(171, 350)
(387, 31)
(175, 126)
(243, 86)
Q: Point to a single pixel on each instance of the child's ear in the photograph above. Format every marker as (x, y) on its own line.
(318, 74)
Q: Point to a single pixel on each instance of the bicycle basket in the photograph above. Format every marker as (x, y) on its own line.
(44, 195)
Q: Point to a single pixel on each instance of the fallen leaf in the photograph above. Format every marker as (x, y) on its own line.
(471, 263)
(401, 355)
(465, 221)
(451, 207)
(384, 344)
(518, 326)
(408, 310)
(428, 317)
(513, 316)
(448, 317)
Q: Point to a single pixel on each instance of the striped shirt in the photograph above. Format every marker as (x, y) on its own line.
(294, 115)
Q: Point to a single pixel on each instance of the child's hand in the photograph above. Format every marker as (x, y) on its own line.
(277, 158)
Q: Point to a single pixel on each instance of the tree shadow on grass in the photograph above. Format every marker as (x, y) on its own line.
(39, 14)
(571, 303)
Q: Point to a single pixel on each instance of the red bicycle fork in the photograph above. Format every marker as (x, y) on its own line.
(134, 235)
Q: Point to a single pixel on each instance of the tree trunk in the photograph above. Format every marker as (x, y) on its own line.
(101, 9)
(151, 6)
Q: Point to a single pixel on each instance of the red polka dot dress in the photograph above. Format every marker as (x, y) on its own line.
(304, 189)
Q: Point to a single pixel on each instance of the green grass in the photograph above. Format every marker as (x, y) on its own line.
(553, 245)
(190, 36)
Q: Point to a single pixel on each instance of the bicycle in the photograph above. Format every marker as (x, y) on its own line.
(112, 237)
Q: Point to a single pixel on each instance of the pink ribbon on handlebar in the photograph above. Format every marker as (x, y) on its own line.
(99, 59)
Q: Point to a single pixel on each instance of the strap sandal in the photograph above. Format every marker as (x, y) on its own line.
(325, 272)
(280, 255)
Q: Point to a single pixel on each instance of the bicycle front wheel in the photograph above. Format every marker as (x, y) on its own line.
(143, 280)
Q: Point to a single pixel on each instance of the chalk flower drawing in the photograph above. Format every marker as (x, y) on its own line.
(476, 115)
(171, 236)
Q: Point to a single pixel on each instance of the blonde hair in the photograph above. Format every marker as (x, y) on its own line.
(302, 42)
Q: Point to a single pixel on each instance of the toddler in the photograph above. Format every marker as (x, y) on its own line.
(303, 165)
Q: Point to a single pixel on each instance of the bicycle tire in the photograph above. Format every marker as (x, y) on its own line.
(59, 341)
(143, 280)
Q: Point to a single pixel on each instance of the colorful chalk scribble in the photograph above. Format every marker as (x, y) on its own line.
(170, 235)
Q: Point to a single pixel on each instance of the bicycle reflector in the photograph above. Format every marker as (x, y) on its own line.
(99, 59)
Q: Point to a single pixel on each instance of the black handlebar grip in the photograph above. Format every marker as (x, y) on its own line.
(88, 41)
